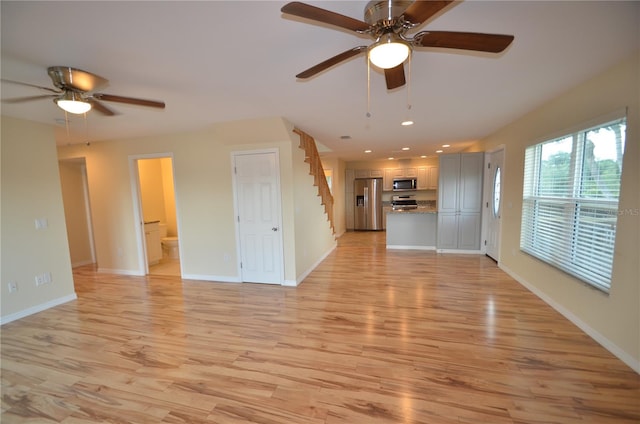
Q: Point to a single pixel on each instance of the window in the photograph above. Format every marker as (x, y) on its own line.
(570, 201)
(496, 193)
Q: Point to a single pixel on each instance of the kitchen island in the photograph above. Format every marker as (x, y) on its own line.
(412, 228)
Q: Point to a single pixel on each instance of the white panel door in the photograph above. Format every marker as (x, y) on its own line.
(493, 203)
(258, 207)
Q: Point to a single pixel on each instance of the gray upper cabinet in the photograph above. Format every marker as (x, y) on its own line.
(460, 201)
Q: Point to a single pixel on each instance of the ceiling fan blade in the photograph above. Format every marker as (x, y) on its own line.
(99, 107)
(29, 98)
(330, 62)
(420, 11)
(128, 100)
(32, 85)
(303, 10)
(492, 43)
(395, 77)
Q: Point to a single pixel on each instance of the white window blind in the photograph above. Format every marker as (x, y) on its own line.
(570, 201)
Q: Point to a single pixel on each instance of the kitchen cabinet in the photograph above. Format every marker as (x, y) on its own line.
(153, 243)
(391, 173)
(415, 229)
(460, 201)
(428, 178)
(368, 173)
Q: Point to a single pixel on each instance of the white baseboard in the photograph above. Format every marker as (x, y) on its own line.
(215, 278)
(408, 247)
(81, 263)
(460, 251)
(632, 362)
(305, 274)
(120, 272)
(38, 308)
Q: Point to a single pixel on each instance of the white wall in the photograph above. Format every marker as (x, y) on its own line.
(31, 190)
(613, 319)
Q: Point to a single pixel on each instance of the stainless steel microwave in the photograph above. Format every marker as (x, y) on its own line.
(404, 184)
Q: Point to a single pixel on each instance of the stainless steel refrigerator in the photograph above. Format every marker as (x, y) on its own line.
(368, 208)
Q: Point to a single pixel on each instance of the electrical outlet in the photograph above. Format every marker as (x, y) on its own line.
(44, 278)
(42, 224)
(13, 286)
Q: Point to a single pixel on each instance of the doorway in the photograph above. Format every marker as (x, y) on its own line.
(157, 208)
(493, 188)
(77, 211)
(257, 203)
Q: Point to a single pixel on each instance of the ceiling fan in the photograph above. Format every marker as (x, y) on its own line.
(74, 92)
(388, 22)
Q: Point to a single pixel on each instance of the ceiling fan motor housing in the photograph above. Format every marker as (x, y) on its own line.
(383, 16)
(67, 78)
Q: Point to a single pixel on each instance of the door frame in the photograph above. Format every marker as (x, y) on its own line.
(143, 266)
(236, 215)
(487, 200)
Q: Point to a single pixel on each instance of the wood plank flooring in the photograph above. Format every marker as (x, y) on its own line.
(371, 336)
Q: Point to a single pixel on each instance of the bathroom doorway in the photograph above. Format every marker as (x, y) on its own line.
(157, 207)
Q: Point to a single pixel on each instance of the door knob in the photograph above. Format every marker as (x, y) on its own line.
(274, 229)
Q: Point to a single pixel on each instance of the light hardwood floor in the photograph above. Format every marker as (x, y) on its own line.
(371, 336)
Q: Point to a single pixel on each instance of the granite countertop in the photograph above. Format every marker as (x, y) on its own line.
(419, 209)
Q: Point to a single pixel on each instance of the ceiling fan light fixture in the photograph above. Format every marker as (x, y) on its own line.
(389, 51)
(72, 102)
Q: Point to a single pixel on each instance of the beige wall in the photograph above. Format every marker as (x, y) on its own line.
(204, 197)
(72, 181)
(169, 193)
(31, 190)
(337, 167)
(614, 319)
(312, 228)
(151, 190)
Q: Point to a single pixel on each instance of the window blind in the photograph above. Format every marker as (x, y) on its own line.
(570, 201)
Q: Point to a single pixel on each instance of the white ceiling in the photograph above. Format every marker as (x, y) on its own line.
(214, 61)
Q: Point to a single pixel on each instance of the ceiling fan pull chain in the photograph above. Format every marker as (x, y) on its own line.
(409, 84)
(66, 124)
(368, 88)
(86, 129)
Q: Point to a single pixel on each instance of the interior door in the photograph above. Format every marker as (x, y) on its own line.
(259, 220)
(493, 202)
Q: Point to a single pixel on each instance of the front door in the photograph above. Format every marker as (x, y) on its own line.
(493, 202)
(258, 213)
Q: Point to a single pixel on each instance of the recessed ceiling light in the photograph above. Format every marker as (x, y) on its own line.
(367, 151)
(406, 123)
(405, 148)
(446, 145)
(391, 158)
(438, 151)
(423, 156)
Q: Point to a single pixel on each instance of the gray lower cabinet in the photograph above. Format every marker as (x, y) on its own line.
(460, 201)
(459, 231)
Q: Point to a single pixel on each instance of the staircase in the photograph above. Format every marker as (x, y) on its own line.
(315, 164)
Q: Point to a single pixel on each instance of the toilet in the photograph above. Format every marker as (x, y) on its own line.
(169, 244)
